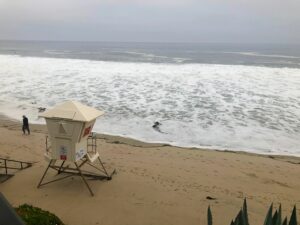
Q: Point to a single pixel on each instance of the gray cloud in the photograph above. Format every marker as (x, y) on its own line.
(155, 20)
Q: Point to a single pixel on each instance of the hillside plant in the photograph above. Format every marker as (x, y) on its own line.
(271, 219)
(36, 216)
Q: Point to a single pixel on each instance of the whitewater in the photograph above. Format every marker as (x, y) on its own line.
(235, 107)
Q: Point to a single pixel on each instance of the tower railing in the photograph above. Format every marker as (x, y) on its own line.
(9, 166)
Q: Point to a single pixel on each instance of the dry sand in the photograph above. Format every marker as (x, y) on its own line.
(154, 183)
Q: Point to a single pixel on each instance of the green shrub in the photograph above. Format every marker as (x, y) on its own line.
(271, 219)
(36, 216)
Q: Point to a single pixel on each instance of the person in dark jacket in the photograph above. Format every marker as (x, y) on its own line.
(25, 125)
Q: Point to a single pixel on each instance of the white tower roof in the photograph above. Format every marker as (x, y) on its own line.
(72, 110)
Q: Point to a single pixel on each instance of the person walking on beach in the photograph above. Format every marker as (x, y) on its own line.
(25, 125)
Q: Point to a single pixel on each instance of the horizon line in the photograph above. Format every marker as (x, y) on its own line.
(150, 42)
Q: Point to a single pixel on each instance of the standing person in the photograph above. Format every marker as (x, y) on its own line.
(25, 125)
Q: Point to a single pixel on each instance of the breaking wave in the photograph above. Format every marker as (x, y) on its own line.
(235, 107)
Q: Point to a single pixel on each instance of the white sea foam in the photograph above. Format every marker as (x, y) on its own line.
(153, 56)
(218, 106)
(55, 52)
(264, 55)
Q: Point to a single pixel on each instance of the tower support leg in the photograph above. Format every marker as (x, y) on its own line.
(61, 166)
(84, 180)
(45, 173)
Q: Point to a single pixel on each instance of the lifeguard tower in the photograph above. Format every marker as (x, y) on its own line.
(71, 144)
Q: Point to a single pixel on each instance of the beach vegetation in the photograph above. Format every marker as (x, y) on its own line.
(271, 218)
(36, 216)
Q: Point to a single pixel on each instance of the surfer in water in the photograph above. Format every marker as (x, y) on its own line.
(156, 126)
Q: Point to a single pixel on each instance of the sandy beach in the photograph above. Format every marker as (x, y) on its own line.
(154, 183)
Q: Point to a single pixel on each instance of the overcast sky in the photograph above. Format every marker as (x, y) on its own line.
(250, 21)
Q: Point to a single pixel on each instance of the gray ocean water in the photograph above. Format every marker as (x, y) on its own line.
(225, 96)
(272, 55)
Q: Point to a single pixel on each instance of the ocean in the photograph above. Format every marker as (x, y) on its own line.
(218, 96)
